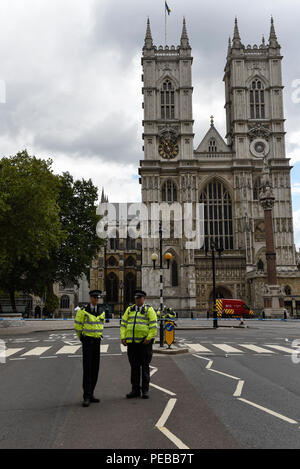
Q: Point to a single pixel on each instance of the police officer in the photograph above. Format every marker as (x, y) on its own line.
(138, 330)
(167, 314)
(89, 323)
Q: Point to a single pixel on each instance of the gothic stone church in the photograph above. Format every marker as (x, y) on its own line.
(223, 174)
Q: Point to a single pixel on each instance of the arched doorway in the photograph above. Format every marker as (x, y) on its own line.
(112, 288)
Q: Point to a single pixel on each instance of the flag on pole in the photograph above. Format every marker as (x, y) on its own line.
(167, 9)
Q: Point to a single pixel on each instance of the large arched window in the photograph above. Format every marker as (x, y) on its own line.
(257, 100)
(65, 302)
(169, 192)
(167, 100)
(217, 215)
(130, 287)
(174, 274)
(112, 288)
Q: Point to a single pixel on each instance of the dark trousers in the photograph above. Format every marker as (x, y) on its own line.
(139, 356)
(91, 362)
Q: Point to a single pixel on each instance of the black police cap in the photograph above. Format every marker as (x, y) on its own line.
(95, 293)
(139, 293)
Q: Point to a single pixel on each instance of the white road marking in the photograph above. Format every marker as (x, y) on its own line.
(256, 349)
(239, 388)
(210, 362)
(10, 351)
(68, 349)
(163, 389)
(17, 359)
(154, 370)
(166, 413)
(160, 425)
(199, 348)
(268, 411)
(35, 351)
(173, 438)
(228, 348)
(225, 374)
(204, 358)
(282, 349)
(104, 348)
(43, 358)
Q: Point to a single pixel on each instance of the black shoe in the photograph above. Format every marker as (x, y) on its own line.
(133, 394)
(86, 402)
(94, 399)
(145, 395)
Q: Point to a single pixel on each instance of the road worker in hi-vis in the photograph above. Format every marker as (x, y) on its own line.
(89, 323)
(138, 330)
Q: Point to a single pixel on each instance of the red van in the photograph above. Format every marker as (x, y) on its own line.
(232, 308)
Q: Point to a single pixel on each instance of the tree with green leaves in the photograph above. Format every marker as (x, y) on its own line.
(58, 239)
(30, 227)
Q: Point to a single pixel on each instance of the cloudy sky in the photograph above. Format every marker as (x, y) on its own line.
(70, 78)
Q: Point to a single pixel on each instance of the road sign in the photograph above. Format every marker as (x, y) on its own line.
(169, 332)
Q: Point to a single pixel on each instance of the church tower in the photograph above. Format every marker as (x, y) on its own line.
(168, 158)
(256, 132)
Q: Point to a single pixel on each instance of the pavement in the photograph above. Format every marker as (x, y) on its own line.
(23, 326)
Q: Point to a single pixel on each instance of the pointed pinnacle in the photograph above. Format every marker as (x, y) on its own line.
(236, 43)
(184, 31)
(229, 46)
(148, 30)
(184, 41)
(236, 34)
(148, 37)
(273, 38)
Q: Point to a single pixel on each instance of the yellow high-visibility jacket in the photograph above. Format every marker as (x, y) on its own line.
(87, 324)
(137, 326)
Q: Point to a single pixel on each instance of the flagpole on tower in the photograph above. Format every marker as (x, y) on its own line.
(165, 25)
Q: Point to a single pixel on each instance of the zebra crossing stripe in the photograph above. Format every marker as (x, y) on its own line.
(35, 351)
(198, 348)
(282, 349)
(68, 349)
(10, 351)
(104, 348)
(228, 348)
(123, 348)
(256, 349)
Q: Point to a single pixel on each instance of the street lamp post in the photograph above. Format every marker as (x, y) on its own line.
(154, 257)
(214, 247)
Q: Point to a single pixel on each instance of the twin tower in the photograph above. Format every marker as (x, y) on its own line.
(222, 173)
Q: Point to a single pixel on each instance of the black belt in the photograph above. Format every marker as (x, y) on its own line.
(91, 338)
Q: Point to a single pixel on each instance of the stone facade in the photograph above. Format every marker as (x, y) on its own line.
(224, 175)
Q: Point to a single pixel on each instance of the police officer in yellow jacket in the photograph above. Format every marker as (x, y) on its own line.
(89, 323)
(138, 330)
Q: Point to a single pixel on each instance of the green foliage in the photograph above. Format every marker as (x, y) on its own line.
(30, 227)
(47, 226)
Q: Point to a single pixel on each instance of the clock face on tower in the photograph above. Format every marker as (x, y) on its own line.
(168, 147)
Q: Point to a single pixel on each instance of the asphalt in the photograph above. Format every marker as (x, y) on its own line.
(40, 396)
(40, 407)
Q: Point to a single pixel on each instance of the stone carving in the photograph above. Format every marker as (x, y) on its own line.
(259, 130)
